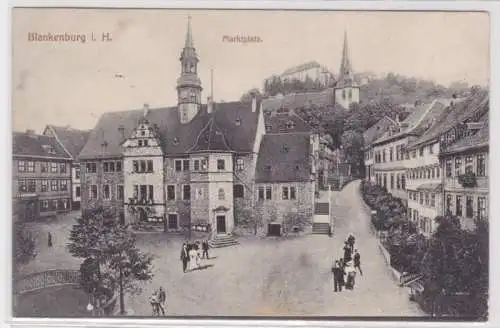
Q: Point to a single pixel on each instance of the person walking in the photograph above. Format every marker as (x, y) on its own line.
(49, 240)
(337, 279)
(357, 261)
(155, 304)
(205, 247)
(350, 241)
(347, 252)
(162, 298)
(342, 272)
(184, 257)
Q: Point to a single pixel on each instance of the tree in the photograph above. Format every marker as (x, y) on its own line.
(247, 96)
(24, 244)
(293, 219)
(352, 143)
(248, 218)
(99, 238)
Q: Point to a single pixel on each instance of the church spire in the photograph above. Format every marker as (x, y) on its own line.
(345, 72)
(189, 37)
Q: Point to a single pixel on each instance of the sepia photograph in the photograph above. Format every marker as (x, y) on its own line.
(280, 164)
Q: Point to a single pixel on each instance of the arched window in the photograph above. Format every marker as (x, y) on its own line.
(222, 194)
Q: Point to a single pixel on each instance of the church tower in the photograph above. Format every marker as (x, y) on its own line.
(346, 90)
(188, 84)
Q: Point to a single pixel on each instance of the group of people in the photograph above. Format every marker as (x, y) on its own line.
(158, 300)
(192, 253)
(344, 269)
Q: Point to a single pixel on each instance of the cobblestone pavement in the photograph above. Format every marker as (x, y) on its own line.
(280, 277)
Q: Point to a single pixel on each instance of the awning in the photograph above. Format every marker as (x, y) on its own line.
(430, 187)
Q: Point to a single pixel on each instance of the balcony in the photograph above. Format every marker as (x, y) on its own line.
(140, 201)
(462, 182)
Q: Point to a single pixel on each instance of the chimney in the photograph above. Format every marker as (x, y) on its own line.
(145, 110)
(254, 103)
(210, 105)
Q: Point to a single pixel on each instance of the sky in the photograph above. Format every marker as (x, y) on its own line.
(74, 83)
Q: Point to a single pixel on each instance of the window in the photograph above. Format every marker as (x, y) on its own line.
(414, 153)
(285, 194)
(106, 192)
(78, 191)
(438, 170)
(54, 186)
(53, 167)
(398, 150)
(403, 182)
(119, 192)
(171, 192)
(433, 173)
(139, 142)
(118, 166)
(398, 182)
(45, 205)
(91, 167)
(433, 200)
(392, 181)
(172, 221)
(421, 151)
(448, 168)
(178, 165)
(292, 193)
(261, 193)
(269, 192)
(185, 165)
(196, 164)
(93, 192)
(77, 173)
(458, 206)
(143, 192)
(469, 206)
(44, 185)
(448, 204)
(221, 194)
(458, 166)
(427, 199)
(421, 198)
(186, 192)
(481, 208)
(221, 164)
(385, 180)
(149, 165)
(63, 185)
(469, 166)
(151, 195)
(62, 167)
(142, 166)
(44, 167)
(383, 156)
(22, 186)
(239, 164)
(145, 142)
(481, 165)
(238, 191)
(431, 149)
(391, 150)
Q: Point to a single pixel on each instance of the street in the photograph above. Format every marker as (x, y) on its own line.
(280, 277)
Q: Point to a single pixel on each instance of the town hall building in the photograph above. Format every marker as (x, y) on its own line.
(194, 163)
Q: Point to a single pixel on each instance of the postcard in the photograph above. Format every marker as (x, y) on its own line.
(319, 164)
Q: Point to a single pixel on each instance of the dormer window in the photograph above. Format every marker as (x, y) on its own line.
(145, 143)
(290, 125)
(237, 122)
(143, 133)
(175, 141)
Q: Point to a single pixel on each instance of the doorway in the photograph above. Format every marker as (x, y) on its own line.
(172, 222)
(142, 215)
(221, 224)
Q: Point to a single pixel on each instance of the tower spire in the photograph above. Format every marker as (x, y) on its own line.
(345, 73)
(189, 36)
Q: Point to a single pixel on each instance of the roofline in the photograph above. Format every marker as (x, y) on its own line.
(465, 149)
(41, 157)
(51, 127)
(283, 181)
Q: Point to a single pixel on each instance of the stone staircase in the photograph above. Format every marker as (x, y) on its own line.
(320, 228)
(222, 241)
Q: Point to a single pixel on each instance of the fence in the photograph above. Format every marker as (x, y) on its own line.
(46, 279)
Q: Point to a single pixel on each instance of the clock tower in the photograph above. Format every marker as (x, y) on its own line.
(188, 84)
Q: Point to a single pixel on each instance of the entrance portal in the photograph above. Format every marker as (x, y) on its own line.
(221, 224)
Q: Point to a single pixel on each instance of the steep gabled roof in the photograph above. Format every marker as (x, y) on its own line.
(418, 121)
(378, 129)
(299, 100)
(72, 140)
(284, 158)
(29, 144)
(235, 120)
(285, 124)
(459, 112)
(479, 139)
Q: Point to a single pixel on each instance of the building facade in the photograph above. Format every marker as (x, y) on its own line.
(72, 140)
(41, 177)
